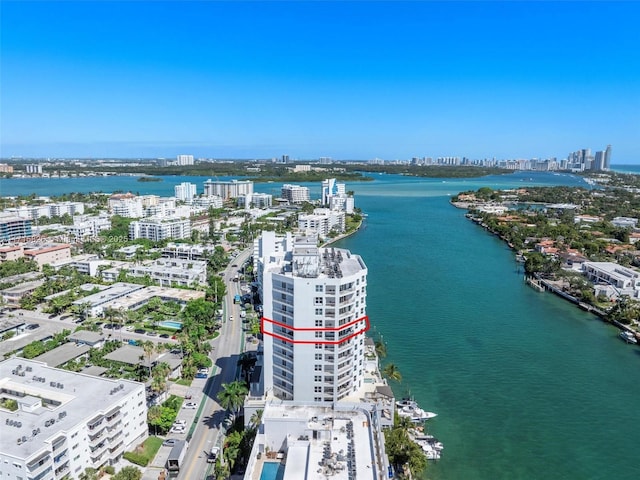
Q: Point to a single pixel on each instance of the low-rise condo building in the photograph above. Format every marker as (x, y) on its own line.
(56, 423)
(156, 229)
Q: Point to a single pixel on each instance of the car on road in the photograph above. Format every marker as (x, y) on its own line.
(170, 442)
(164, 335)
(190, 405)
(32, 326)
(139, 330)
(178, 429)
(152, 334)
(180, 423)
(128, 328)
(213, 454)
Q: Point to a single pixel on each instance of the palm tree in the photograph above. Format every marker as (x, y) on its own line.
(392, 372)
(381, 348)
(148, 348)
(232, 396)
(256, 418)
(115, 315)
(154, 415)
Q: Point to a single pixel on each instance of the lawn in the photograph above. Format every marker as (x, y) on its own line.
(145, 452)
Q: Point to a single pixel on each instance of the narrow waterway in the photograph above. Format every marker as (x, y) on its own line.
(526, 386)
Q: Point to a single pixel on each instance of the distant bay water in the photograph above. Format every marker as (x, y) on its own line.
(526, 386)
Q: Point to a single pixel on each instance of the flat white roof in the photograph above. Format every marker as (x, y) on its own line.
(71, 398)
(322, 442)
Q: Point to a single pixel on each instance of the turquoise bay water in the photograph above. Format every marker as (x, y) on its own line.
(526, 386)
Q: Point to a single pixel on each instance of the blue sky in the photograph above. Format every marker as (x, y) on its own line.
(349, 80)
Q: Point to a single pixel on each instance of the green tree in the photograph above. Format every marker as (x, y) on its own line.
(391, 372)
(256, 418)
(154, 417)
(128, 473)
(232, 395)
(89, 474)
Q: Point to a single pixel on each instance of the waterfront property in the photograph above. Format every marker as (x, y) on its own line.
(314, 306)
(64, 422)
(341, 443)
(624, 279)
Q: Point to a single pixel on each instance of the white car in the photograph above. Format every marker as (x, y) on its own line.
(177, 423)
(190, 405)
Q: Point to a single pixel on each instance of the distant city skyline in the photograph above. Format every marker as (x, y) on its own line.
(347, 80)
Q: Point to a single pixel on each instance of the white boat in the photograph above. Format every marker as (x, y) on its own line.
(628, 337)
(429, 450)
(409, 408)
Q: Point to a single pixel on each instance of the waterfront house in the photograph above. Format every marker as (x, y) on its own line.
(625, 280)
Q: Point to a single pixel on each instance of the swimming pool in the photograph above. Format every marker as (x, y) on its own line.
(171, 324)
(272, 471)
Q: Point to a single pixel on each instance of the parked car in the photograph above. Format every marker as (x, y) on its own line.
(179, 422)
(190, 405)
(164, 335)
(140, 330)
(169, 442)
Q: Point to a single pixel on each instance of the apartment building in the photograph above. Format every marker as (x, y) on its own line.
(156, 229)
(45, 254)
(321, 222)
(88, 226)
(228, 189)
(213, 201)
(65, 421)
(185, 191)
(187, 251)
(294, 193)
(166, 272)
(13, 228)
(257, 200)
(314, 306)
(48, 210)
(11, 252)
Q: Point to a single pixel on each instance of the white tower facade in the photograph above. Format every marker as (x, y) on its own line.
(314, 320)
(185, 191)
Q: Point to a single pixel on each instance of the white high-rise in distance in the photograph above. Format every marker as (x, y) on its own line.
(185, 191)
(184, 159)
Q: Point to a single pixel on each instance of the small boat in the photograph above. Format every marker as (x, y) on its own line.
(628, 337)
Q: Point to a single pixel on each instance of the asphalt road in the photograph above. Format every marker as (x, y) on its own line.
(225, 354)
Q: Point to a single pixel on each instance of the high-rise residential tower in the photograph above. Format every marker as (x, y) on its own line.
(185, 191)
(607, 158)
(314, 319)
